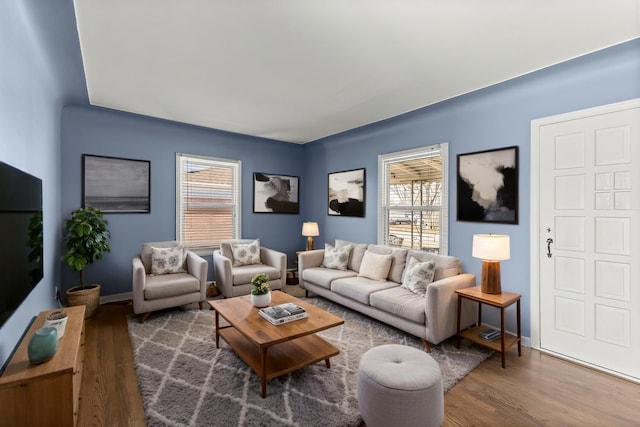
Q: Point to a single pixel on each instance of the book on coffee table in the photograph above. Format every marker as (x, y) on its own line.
(283, 313)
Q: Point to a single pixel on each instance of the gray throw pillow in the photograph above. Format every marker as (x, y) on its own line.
(246, 254)
(418, 275)
(336, 258)
(168, 260)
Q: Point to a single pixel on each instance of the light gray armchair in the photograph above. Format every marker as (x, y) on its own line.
(235, 280)
(153, 292)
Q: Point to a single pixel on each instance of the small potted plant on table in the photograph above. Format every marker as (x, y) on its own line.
(260, 293)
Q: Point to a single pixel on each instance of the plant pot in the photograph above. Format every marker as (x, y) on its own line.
(87, 295)
(261, 300)
(57, 320)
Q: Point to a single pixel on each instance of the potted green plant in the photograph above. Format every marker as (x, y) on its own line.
(86, 240)
(260, 292)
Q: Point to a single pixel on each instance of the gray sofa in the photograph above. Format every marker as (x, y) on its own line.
(431, 317)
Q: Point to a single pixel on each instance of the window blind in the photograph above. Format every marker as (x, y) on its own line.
(207, 200)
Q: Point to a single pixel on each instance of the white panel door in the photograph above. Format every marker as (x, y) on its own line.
(589, 230)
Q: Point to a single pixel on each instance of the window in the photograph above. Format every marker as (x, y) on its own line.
(413, 210)
(207, 201)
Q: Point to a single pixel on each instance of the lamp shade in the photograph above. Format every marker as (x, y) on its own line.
(310, 229)
(493, 247)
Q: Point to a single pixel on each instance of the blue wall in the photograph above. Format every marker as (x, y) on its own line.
(100, 131)
(41, 71)
(498, 116)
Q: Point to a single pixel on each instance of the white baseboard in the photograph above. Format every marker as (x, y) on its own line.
(116, 297)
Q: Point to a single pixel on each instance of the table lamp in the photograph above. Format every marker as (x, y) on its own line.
(491, 248)
(310, 229)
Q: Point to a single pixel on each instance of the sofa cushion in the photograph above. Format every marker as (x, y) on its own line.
(359, 288)
(446, 266)
(246, 253)
(169, 260)
(375, 266)
(336, 258)
(355, 257)
(400, 302)
(398, 261)
(418, 275)
(323, 277)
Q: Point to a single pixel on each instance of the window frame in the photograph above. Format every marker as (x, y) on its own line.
(384, 160)
(236, 204)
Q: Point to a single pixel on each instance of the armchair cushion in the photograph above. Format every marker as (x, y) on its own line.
(168, 260)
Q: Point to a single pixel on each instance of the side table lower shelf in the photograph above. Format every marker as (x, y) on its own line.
(496, 345)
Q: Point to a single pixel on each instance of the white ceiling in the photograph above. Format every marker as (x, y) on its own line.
(300, 70)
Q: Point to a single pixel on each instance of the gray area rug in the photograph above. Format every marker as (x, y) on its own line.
(184, 380)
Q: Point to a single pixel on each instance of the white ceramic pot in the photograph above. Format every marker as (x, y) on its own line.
(261, 300)
(57, 320)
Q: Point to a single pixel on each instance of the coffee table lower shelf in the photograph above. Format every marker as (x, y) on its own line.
(281, 358)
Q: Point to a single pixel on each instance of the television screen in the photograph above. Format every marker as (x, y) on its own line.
(20, 237)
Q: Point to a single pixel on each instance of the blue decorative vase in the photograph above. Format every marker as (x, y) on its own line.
(42, 345)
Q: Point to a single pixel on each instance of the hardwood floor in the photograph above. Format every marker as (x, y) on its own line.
(534, 390)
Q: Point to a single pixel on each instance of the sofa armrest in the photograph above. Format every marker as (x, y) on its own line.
(198, 267)
(223, 273)
(442, 307)
(139, 279)
(309, 259)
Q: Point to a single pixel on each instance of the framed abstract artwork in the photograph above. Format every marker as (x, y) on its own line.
(276, 193)
(488, 186)
(346, 193)
(116, 185)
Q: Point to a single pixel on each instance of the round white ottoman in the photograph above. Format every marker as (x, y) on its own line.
(400, 386)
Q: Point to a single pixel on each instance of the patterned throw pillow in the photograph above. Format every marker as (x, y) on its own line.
(375, 266)
(168, 260)
(336, 258)
(418, 275)
(246, 253)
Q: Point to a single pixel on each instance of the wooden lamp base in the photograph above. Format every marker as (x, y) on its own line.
(491, 277)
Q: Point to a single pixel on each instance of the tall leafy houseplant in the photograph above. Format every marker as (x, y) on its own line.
(86, 239)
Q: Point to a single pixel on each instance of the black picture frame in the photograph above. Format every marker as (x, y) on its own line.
(115, 184)
(276, 193)
(346, 191)
(488, 186)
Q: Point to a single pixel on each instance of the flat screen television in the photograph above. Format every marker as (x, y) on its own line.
(21, 265)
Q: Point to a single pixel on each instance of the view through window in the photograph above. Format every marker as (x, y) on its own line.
(414, 202)
(207, 201)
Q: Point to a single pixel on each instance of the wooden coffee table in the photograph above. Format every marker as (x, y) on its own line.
(269, 350)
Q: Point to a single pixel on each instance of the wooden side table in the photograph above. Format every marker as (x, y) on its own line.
(502, 301)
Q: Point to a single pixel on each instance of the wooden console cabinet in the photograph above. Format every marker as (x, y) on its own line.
(46, 394)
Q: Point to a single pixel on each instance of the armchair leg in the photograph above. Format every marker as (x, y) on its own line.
(200, 304)
(427, 347)
(144, 317)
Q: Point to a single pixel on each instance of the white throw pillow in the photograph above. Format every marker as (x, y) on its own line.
(418, 275)
(246, 253)
(168, 260)
(375, 266)
(336, 258)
